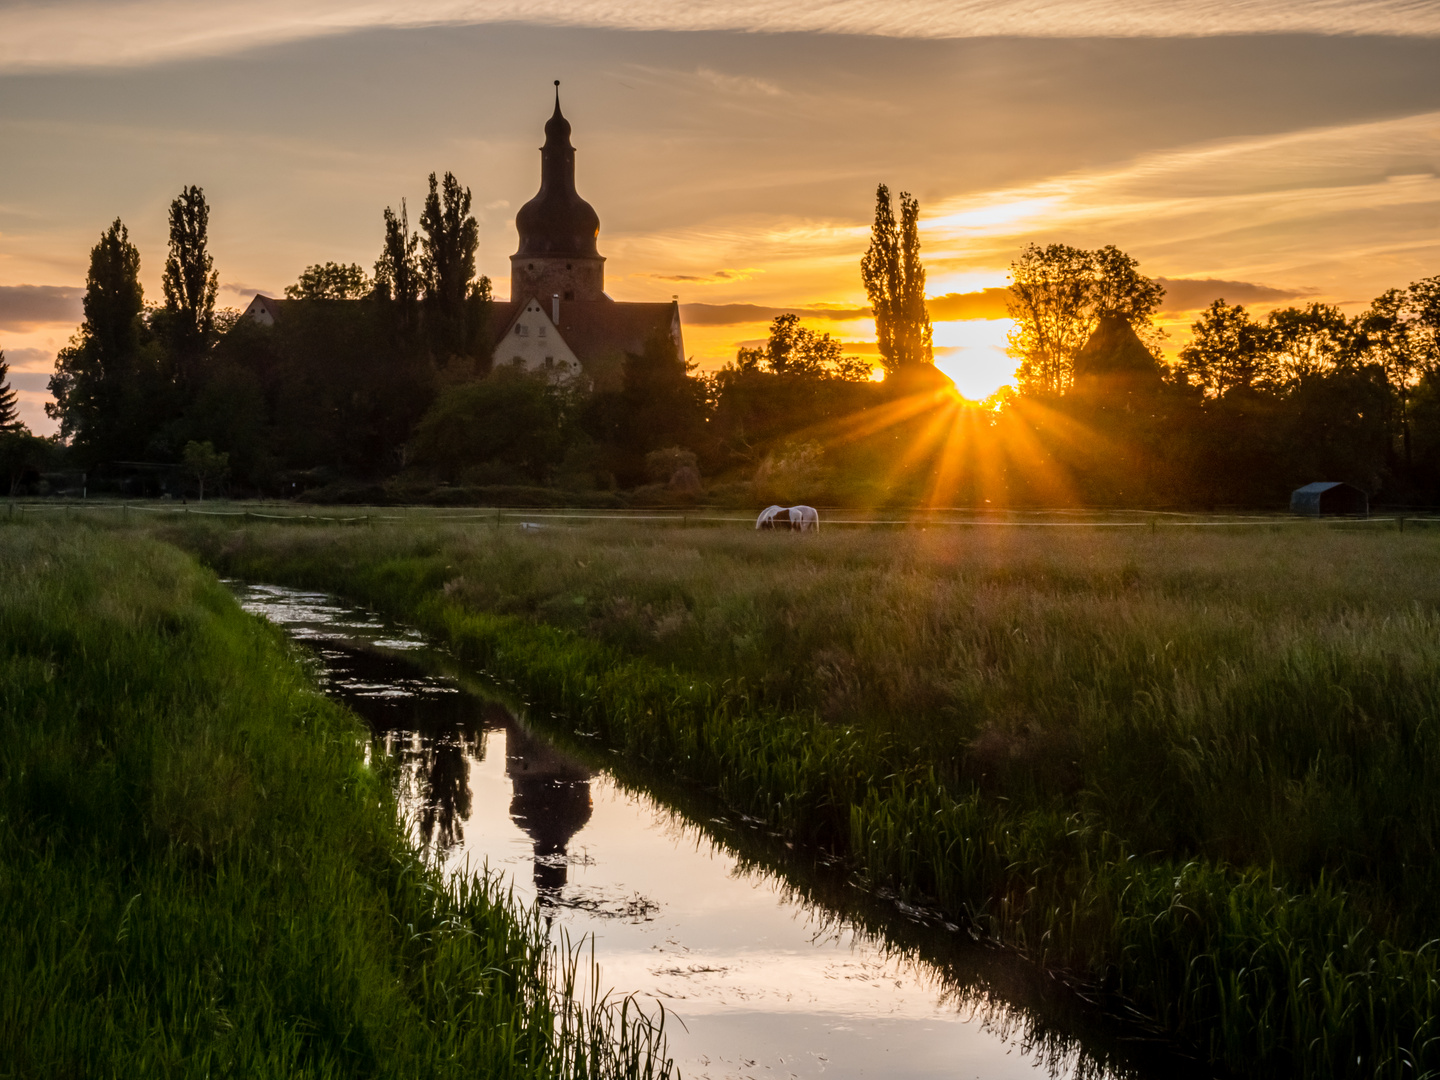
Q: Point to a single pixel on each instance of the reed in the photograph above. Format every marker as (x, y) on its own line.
(1199, 770)
(200, 875)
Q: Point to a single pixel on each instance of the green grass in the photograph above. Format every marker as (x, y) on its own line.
(200, 876)
(1200, 767)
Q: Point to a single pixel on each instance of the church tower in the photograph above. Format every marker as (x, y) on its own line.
(557, 255)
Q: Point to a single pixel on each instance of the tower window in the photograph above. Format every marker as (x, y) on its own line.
(570, 295)
(567, 266)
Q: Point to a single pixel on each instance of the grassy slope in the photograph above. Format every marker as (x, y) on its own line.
(198, 874)
(1202, 764)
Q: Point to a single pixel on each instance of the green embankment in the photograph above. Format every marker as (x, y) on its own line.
(1202, 769)
(199, 874)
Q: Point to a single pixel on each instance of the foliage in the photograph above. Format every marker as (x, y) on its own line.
(203, 463)
(894, 280)
(109, 389)
(1199, 767)
(511, 419)
(1229, 350)
(397, 271)
(793, 349)
(201, 875)
(332, 281)
(1058, 295)
(449, 238)
(190, 281)
(9, 412)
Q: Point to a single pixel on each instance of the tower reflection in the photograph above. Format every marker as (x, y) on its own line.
(551, 803)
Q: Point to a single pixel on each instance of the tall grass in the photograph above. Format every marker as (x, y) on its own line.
(200, 876)
(1202, 769)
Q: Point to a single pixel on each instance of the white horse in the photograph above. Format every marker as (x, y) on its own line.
(795, 518)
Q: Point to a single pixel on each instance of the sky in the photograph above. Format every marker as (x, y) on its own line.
(1271, 153)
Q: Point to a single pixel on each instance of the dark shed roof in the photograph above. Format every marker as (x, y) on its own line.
(1329, 498)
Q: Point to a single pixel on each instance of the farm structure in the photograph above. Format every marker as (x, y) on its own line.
(1329, 499)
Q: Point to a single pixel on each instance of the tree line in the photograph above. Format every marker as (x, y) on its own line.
(377, 384)
(1253, 408)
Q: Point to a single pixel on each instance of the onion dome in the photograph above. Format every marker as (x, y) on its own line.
(557, 221)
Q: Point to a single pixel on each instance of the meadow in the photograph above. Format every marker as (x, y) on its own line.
(201, 875)
(1192, 769)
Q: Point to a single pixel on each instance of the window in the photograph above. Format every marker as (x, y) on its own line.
(517, 361)
(542, 331)
(550, 361)
(521, 330)
(570, 295)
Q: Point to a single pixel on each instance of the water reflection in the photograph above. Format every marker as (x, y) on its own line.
(771, 965)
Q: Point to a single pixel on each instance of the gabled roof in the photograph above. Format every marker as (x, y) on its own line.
(597, 330)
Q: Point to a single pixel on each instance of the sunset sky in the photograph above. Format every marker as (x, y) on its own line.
(1270, 153)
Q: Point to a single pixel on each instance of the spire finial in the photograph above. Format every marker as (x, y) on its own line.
(557, 93)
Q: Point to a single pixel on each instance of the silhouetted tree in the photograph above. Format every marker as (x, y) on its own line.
(331, 281)
(450, 238)
(894, 281)
(397, 272)
(108, 394)
(1312, 340)
(9, 404)
(1058, 295)
(793, 349)
(190, 281)
(1229, 350)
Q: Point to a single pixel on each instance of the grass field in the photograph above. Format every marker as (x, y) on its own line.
(199, 875)
(1200, 767)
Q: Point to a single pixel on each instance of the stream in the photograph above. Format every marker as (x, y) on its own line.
(768, 963)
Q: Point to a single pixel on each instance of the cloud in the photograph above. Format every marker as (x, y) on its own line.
(1181, 295)
(735, 314)
(245, 292)
(26, 307)
(707, 279)
(30, 382)
(85, 33)
(1192, 294)
(985, 304)
(39, 361)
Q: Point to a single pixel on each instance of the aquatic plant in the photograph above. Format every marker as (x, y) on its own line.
(200, 875)
(1198, 770)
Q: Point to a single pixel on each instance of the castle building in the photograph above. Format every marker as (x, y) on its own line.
(559, 320)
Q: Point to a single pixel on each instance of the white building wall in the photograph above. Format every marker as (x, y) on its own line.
(533, 344)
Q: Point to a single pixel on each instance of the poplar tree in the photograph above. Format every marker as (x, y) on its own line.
(190, 281)
(91, 372)
(894, 281)
(397, 271)
(450, 239)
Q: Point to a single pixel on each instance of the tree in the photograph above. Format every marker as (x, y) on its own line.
(795, 350)
(190, 281)
(98, 375)
(1399, 332)
(510, 422)
(397, 271)
(1229, 350)
(1313, 340)
(203, 463)
(894, 281)
(1059, 294)
(9, 405)
(331, 281)
(450, 238)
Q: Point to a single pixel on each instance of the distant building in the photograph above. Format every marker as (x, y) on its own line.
(263, 310)
(1326, 499)
(559, 321)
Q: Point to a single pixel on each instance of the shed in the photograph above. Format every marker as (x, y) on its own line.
(1326, 499)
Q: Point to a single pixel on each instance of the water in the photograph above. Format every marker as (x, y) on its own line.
(767, 964)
